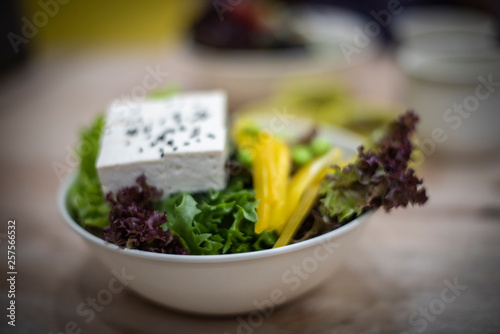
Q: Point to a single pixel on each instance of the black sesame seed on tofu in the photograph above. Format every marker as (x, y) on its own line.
(168, 131)
(186, 143)
(132, 132)
(177, 117)
(162, 136)
(175, 148)
(200, 116)
(182, 128)
(140, 149)
(170, 142)
(162, 154)
(196, 132)
(211, 136)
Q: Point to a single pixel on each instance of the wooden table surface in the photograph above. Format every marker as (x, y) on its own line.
(391, 283)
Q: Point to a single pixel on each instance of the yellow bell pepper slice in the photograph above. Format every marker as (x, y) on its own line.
(302, 192)
(278, 198)
(280, 172)
(305, 176)
(303, 208)
(271, 168)
(261, 180)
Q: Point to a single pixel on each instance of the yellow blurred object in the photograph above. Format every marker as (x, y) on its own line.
(331, 102)
(328, 102)
(245, 133)
(112, 23)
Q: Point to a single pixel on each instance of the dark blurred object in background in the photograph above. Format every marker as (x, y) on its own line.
(10, 23)
(262, 24)
(248, 25)
(365, 8)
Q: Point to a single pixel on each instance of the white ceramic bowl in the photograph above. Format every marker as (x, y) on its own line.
(446, 72)
(226, 284)
(415, 21)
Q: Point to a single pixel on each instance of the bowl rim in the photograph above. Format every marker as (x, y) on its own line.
(219, 258)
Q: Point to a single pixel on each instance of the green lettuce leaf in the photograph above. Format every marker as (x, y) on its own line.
(216, 222)
(85, 200)
(181, 211)
(342, 196)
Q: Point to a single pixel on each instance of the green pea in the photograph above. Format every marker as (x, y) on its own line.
(251, 129)
(245, 157)
(320, 146)
(301, 155)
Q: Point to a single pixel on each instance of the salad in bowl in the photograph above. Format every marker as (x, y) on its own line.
(208, 217)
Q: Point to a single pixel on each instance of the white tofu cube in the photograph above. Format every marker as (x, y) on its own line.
(178, 143)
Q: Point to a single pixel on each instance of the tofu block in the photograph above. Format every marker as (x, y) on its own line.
(178, 143)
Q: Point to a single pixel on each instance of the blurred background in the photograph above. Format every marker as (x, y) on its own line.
(353, 64)
(259, 50)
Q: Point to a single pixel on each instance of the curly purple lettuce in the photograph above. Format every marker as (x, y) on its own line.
(135, 224)
(380, 177)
